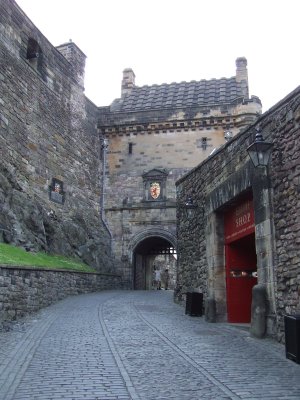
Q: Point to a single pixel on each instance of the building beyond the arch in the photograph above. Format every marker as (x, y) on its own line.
(155, 134)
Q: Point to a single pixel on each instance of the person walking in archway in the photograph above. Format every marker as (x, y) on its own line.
(158, 279)
(166, 278)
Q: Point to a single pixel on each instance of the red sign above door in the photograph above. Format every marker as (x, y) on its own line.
(239, 221)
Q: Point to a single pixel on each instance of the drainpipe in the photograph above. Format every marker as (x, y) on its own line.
(104, 147)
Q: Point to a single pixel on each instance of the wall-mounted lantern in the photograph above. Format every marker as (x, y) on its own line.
(189, 208)
(228, 135)
(104, 144)
(260, 151)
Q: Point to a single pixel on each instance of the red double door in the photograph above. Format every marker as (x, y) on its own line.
(240, 255)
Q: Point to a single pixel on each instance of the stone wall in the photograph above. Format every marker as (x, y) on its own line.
(285, 174)
(47, 135)
(173, 140)
(25, 290)
(216, 184)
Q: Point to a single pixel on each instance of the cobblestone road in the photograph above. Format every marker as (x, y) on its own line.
(138, 345)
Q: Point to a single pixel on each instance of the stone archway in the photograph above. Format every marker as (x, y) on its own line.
(148, 247)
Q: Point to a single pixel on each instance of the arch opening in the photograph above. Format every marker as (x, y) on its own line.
(150, 254)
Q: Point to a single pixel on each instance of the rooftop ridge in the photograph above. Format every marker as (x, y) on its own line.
(181, 82)
(185, 94)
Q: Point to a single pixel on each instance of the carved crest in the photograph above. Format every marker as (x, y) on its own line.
(154, 190)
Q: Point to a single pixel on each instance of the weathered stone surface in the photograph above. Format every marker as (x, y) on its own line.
(26, 223)
(216, 184)
(25, 290)
(48, 131)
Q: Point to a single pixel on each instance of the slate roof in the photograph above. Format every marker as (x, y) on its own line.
(179, 95)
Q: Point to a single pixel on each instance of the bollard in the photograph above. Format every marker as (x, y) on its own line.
(259, 309)
(210, 310)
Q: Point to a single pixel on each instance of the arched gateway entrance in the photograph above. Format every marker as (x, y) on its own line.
(153, 250)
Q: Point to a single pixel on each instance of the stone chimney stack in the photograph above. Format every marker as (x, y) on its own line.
(76, 58)
(242, 75)
(128, 81)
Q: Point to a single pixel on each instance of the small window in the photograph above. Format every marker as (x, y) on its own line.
(33, 50)
(204, 143)
(35, 56)
(130, 147)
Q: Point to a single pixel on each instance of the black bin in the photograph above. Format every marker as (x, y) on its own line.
(292, 337)
(194, 304)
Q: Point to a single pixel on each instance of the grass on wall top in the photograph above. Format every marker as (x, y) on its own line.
(12, 255)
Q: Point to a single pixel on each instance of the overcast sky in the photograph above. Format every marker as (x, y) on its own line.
(166, 41)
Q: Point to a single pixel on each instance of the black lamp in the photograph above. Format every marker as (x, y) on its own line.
(260, 151)
(190, 208)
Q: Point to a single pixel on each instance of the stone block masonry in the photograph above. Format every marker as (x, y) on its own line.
(155, 135)
(48, 137)
(217, 185)
(25, 290)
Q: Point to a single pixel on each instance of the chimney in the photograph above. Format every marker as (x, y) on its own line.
(128, 81)
(242, 75)
(76, 58)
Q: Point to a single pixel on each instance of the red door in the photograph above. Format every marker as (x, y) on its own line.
(240, 255)
(240, 278)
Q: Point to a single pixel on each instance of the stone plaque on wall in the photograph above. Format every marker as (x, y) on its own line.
(56, 193)
(155, 185)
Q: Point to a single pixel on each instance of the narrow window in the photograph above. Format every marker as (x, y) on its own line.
(35, 56)
(130, 148)
(33, 52)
